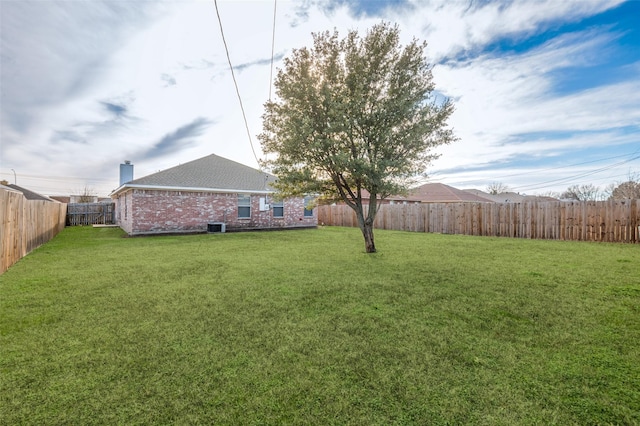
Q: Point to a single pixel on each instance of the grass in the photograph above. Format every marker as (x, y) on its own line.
(303, 327)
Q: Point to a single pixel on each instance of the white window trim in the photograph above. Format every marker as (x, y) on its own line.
(242, 205)
(274, 205)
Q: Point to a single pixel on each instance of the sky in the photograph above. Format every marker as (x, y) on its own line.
(546, 92)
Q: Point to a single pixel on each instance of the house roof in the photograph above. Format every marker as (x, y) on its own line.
(211, 173)
(30, 195)
(441, 193)
(498, 198)
(434, 193)
(61, 198)
(509, 197)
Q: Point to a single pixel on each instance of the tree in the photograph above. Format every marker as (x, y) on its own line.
(86, 195)
(587, 192)
(496, 188)
(354, 120)
(629, 189)
(550, 194)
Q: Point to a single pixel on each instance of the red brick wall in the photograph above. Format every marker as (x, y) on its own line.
(151, 211)
(123, 211)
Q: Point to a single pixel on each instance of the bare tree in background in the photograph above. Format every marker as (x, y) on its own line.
(86, 195)
(628, 189)
(496, 188)
(587, 192)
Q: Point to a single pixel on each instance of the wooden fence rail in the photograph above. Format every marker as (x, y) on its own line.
(611, 221)
(90, 214)
(26, 225)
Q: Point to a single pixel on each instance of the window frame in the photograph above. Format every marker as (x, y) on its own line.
(277, 205)
(308, 212)
(244, 203)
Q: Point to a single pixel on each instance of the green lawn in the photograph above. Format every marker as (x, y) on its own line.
(303, 327)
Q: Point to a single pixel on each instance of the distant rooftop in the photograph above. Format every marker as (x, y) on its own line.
(509, 197)
(441, 193)
(28, 194)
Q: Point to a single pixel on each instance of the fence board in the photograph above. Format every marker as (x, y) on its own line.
(610, 221)
(79, 214)
(26, 225)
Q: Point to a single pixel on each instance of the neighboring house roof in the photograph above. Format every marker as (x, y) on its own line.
(505, 197)
(397, 198)
(211, 173)
(509, 197)
(30, 195)
(441, 193)
(7, 188)
(539, 198)
(434, 193)
(61, 198)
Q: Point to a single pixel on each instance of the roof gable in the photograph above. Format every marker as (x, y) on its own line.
(441, 193)
(208, 173)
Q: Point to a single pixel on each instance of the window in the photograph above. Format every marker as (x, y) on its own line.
(307, 211)
(244, 206)
(278, 208)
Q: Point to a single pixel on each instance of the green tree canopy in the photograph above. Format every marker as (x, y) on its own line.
(354, 120)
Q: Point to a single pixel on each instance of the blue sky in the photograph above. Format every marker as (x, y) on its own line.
(547, 92)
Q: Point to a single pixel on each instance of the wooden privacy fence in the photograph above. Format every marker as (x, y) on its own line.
(612, 221)
(26, 225)
(90, 214)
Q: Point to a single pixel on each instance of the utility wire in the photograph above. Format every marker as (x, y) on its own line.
(568, 165)
(273, 43)
(60, 178)
(538, 171)
(581, 175)
(233, 75)
(541, 185)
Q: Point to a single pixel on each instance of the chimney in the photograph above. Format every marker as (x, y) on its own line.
(126, 172)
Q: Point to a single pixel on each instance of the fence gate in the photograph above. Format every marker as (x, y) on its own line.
(90, 214)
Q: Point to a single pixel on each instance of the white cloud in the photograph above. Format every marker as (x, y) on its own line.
(165, 65)
(501, 97)
(452, 27)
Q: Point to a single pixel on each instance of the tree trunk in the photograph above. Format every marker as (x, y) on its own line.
(367, 233)
(366, 225)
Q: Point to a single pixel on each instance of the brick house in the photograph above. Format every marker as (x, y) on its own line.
(208, 194)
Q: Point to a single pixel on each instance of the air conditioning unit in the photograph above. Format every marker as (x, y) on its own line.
(216, 227)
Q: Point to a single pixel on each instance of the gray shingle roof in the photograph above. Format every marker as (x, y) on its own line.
(509, 197)
(30, 195)
(209, 173)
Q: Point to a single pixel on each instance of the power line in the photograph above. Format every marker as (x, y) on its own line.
(233, 75)
(581, 175)
(61, 178)
(569, 165)
(541, 185)
(273, 43)
(566, 166)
